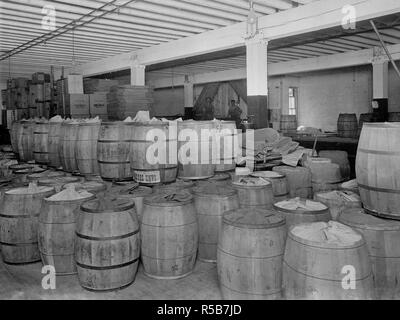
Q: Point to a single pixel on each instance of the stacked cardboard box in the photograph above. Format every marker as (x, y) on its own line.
(40, 78)
(70, 94)
(77, 106)
(98, 105)
(125, 101)
(91, 86)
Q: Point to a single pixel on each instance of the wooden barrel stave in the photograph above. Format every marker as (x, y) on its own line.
(41, 138)
(86, 148)
(53, 144)
(227, 136)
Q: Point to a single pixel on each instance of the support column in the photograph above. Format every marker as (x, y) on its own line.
(188, 90)
(137, 74)
(380, 76)
(257, 79)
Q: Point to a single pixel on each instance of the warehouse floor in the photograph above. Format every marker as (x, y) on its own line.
(24, 282)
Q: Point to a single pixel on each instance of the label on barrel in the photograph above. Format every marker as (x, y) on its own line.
(147, 176)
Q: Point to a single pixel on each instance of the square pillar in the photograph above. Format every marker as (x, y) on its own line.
(257, 67)
(138, 74)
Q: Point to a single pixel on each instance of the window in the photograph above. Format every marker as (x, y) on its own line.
(292, 101)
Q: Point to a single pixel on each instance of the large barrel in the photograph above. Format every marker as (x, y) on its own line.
(19, 212)
(319, 255)
(170, 235)
(227, 146)
(107, 244)
(279, 183)
(254, 192)
(137, 194)
(153, 147)
(347, 125)
(250, 251)
(14, 135)
(299, 180)
(338, 201)
(325, 176)
(377, 165)
(288, 124)
(67, 145)
(54, 141)
(298, 211)
(56, 232)
(341, 158)
(211, 203)
(26, 146)
(382, 237)
(196, 146)
(86, 148)
(41, 142)
(113, 148)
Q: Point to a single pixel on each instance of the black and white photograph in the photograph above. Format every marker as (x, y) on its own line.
(194, 157)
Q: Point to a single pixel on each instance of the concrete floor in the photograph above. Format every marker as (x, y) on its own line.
(24, 282)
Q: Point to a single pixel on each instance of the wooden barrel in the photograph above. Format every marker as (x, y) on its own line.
(288, 124)
(364, 117)
(41, 142)
(107, 244)
(170, 235)
(377, 164)
(382, 237)
(394, 117)
(56, 231)
(279, 183)
(250, 251)
(54, 141)
(21, 176)
(21, 166)
(300, 210)
(325, 176)
(25, 150)
(341, 158)
(14, 135)
(319, 255)
(299, 180)
(151, 161)
(220, 178)
(57, 183)
(211, 202)
(113, 151)
(195, 151)
(19, 214)
(254, 192)
(68, 136)
(338, 201)
(95, 187)
(86, 148)
(227, 146)
(178, 185)
(49, 174)
(347, 125)
(136, 194)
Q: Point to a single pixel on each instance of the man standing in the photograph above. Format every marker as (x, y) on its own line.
(235, 113)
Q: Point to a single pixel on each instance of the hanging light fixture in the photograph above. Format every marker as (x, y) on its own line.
(252, 21)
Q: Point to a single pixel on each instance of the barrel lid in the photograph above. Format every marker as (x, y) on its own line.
(139, 191)
(70, 195)
(254, 218)
(93, 186)
(251, 182)
(46, 174)
(214, 190)
(220, 177)
(107, 205)
(329, 235)
(29, 190)
(268, 175)
(300, 205)
(358, 218)
(57, 181)
(16, 167)
(169, 198)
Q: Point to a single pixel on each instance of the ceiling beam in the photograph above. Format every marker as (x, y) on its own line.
(303, 19)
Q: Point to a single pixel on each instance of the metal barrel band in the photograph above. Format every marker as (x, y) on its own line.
(107, 238)
(84, 266)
